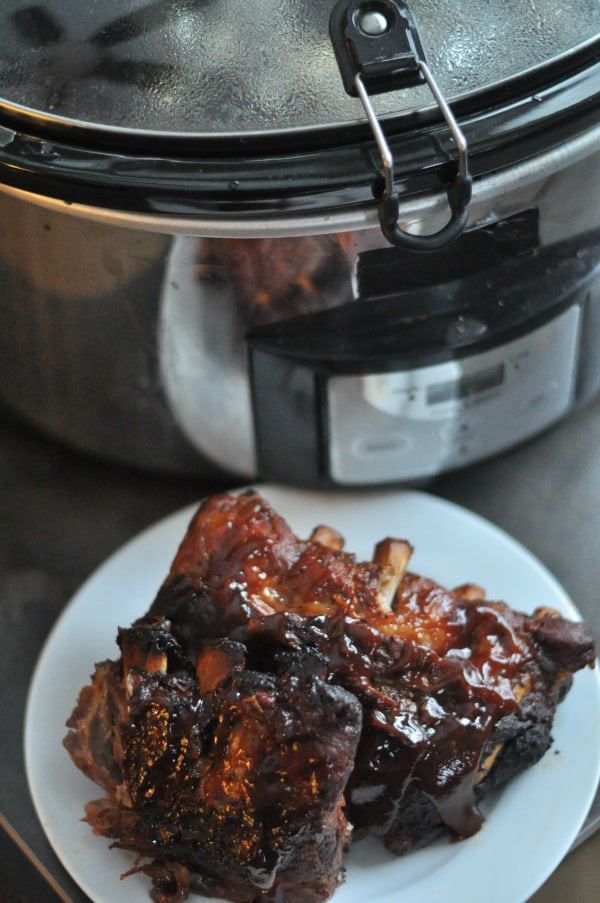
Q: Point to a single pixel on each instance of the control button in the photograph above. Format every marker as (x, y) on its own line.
(520, 359)
(455, 430)
(541, 400)
(374, 447)
(465, 451)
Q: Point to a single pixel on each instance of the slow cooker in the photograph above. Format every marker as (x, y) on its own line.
(326, 243)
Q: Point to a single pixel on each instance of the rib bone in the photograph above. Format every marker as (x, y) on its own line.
(392, 557)
(328, 537)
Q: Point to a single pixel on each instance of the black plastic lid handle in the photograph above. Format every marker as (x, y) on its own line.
(378, 49)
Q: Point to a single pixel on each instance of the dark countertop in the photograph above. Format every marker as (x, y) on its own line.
(62, 514)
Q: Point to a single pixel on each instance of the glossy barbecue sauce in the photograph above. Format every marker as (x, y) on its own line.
(435, 676)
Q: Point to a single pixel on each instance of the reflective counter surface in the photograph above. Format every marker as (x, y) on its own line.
(62, 515)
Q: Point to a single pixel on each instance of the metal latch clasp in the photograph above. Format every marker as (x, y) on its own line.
(378, 49)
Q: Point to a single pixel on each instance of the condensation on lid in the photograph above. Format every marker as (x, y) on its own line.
(211, 67)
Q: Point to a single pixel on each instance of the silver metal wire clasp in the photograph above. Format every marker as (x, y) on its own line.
(378, 49)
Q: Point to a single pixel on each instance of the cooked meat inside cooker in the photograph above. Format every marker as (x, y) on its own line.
(280, 698)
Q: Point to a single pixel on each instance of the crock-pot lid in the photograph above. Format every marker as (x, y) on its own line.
(210, 67)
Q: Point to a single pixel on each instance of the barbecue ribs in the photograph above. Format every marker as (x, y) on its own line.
(280, 698)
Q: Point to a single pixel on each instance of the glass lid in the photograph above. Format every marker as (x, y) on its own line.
(210, 67)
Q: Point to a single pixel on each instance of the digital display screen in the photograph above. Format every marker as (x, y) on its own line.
(466, 386)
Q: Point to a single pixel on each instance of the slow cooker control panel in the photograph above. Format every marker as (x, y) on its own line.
(457, 364)
(408, 424)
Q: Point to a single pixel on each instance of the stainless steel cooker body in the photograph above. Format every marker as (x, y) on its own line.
(130, 343)
(229, 304)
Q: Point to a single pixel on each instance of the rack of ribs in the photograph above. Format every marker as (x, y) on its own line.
(280, 699)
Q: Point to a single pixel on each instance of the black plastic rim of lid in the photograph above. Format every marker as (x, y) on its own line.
(311, 172)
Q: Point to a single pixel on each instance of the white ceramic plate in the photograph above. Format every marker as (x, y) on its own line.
(530, 825)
